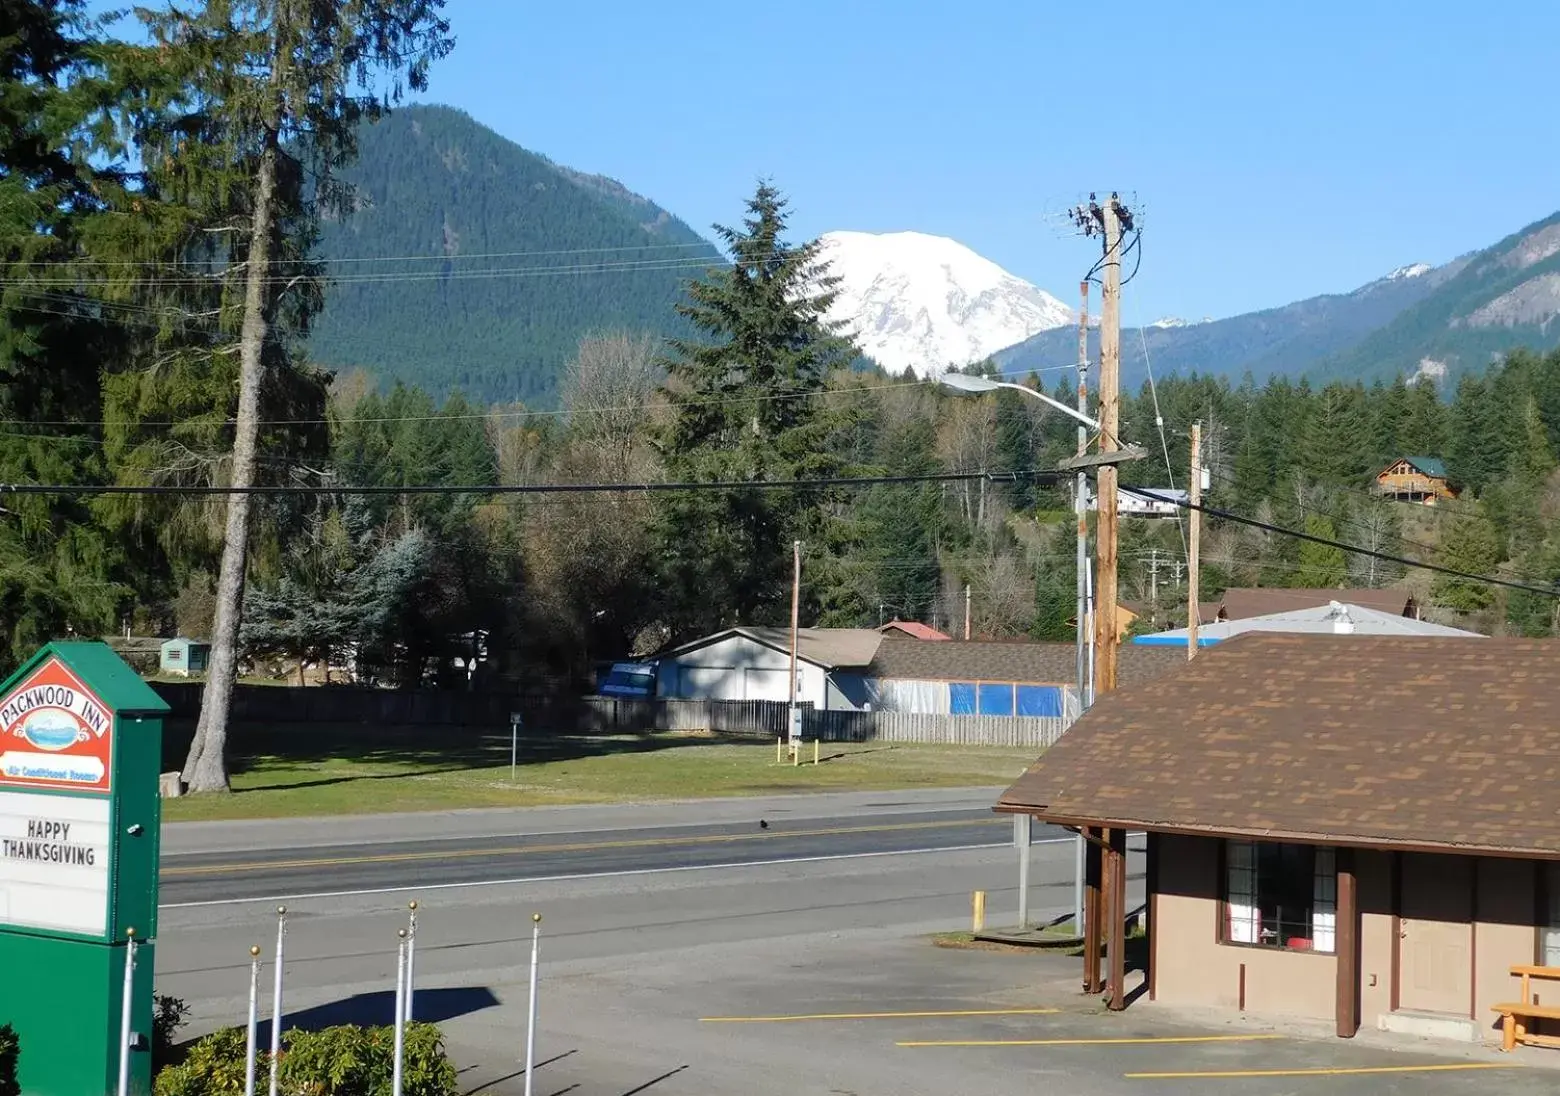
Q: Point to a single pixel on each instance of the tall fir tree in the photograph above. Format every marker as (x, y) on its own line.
(259, 101)
(746, 411)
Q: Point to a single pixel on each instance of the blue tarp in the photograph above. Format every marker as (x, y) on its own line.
(996, 699)
(961, 698)
(1042, 700)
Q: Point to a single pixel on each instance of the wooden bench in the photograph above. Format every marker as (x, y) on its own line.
(1513, 1029)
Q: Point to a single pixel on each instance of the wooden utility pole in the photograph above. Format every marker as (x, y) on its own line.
(1110, 415)
(966, 610)
(1081, 498)
(1194, 544)
(796, 611)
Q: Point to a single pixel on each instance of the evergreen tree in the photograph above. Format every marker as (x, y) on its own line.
(1422, 433)
(1477, 451)
(745, 411)
(1471, 545)
(1321, 565)
(58, 572)
(260, 101)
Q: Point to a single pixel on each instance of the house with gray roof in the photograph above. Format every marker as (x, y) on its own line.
(1334, 618)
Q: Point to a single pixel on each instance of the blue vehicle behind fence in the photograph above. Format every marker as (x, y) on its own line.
(628, 679)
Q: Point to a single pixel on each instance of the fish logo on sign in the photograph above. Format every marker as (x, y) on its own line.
(52, 729)
(54, 733)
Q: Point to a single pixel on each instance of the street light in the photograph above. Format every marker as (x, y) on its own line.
(965, 382)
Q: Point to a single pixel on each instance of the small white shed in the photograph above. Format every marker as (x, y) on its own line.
(752, 663)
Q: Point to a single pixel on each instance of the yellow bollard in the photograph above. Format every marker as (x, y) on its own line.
(978, 902)
(779, 745)
(815, 751)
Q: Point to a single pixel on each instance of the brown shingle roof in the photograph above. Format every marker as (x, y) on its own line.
(994, 660)
(913, 629)
(1241, 603)
(1366, 740)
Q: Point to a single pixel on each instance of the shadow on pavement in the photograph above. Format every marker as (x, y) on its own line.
(433, 1006)
(485, 1085)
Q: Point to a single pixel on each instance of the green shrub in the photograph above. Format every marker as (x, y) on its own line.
(10, 1050)
(339, 1061)
(167, 1019)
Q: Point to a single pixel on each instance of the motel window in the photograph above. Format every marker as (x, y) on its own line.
(1280, 896)
(1549, 938)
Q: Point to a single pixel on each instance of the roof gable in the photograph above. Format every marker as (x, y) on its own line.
(1254, 601)
(1434, 467)
(829, 648)
(1366, 740)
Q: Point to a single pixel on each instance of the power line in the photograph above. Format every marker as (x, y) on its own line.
(1387, 557)
(1038, 475)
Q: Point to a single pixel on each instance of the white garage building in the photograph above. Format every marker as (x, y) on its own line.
(752, 663)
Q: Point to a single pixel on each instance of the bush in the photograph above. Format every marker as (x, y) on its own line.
(167, 1019)
(339, 1061)
(10, 1050)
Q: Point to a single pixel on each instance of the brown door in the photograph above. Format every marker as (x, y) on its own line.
(1435, 944)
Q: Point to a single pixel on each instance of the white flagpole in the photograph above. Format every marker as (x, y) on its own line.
(127, 1002)
(411, 962)
(400, 1014)
(254, 1021)
(276, 997)
(530, 1022)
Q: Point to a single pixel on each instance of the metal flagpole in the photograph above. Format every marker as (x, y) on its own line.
(530, 1021)
(127, 1002)
(276, 997)
(400, 1014)
(254, 1021)
(411, 961)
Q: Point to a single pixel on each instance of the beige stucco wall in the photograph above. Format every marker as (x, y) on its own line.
(1503, 936)
(1193, 968)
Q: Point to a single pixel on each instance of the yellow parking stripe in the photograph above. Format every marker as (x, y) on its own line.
(1333, 1072)
(1089, 1042)
(876, 1015)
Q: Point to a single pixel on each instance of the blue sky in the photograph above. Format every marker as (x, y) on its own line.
(1322, 143)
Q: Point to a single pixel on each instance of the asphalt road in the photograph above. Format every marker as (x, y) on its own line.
(281, 872)
(260, 861)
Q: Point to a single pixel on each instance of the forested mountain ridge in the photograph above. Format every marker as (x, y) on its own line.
(1289, 340)
(1503, 297)
(472, 263)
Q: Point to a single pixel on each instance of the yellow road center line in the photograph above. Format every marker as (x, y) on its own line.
(1088, 1042)
(575, 846)
(876, 1015)
(1334, 1072)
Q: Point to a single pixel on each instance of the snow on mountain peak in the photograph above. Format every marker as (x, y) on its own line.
(1176, 321)
(923, 303)
(1412, 270)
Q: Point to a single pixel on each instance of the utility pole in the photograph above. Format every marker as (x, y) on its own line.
(966, 610)
(1110, 416)
(1153, 586)
(1194, 543)
(796, 610)
(1081, 505)
(1081, 498)
(1107, 857)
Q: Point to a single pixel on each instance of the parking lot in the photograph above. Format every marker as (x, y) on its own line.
(853, 1015)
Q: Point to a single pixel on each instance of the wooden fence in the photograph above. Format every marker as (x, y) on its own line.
(345, 706)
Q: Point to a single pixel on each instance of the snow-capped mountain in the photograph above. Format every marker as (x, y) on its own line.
(923, 303)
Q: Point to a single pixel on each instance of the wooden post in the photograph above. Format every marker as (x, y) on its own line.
(1347, 940)
(1151, 884)
(1093, 876)
(796, 608)
(1110, 415)
(1117, 908)
(1194, 545)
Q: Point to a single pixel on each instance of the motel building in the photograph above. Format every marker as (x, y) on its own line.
(1348, 828)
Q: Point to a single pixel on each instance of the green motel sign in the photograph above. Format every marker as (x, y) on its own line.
(80, 750)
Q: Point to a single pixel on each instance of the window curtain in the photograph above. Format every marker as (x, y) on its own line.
(1241, 892)
(1324, 902)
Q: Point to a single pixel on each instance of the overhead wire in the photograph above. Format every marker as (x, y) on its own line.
(1240, 519)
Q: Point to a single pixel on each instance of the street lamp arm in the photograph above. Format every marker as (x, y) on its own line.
(1092, 424)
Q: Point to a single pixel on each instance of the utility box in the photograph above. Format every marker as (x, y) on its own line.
(80, 751)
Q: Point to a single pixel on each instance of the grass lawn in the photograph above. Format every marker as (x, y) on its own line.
(291, 771)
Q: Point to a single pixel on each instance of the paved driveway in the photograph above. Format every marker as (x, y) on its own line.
(853, 1015)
